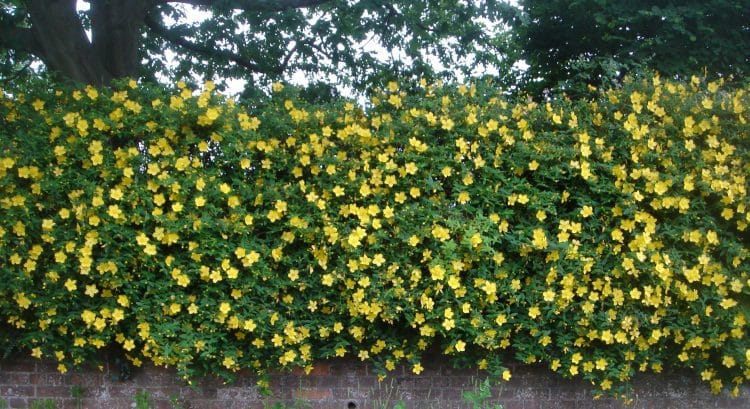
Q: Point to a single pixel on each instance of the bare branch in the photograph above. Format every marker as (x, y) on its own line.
(176, 38)
(254, 5)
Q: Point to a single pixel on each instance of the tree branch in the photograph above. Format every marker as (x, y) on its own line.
(254, 5)
(176, 38)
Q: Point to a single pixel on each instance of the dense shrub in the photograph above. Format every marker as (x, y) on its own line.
(601, 238)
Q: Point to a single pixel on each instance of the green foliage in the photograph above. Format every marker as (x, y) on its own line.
(478, 397)
(43, 404)
(77, 392)
(297, 404)
(142, 400)
(176, 403)
(574, 43)
(601, 237)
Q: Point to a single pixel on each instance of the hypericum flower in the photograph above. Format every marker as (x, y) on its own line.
(378, 260)
(534, 312)
(441, 233)
(437, 272)
(114, 211)
(394, 100)
(587, 211)
(23, 301)
(539, 239)
(454, 282)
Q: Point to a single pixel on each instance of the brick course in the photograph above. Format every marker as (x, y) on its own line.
(341, 384)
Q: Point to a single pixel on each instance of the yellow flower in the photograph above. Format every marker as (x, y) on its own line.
(454, 282)
(48, 224)
(114, 211)
(224, 308)
(356, 236)
(549, 295)
(88, 317)
(437, 272)
(661, 187)
(534, 312)
(128, 345)
(441, 233)
(91, 290)
(539, 239)
(410, 168)
(23, 301)
(585, 170)
(378, 260)
(417, 368)
(476, 240)
(116, 194)
(394, 100)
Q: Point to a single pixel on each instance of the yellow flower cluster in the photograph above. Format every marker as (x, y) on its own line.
(601, 237)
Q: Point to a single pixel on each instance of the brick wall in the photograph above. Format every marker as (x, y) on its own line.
(340, 384)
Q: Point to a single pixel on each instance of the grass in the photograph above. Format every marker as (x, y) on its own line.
(77, 392)
(43, 404)
(480, 395)
(142, 400)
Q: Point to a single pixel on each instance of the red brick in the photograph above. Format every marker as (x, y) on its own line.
(46, 366)
(15, 378)
(17, 391)
(48, 379)
(52, 391)
(18, 403)
(315, 394)
(320, 369)
(18, 365)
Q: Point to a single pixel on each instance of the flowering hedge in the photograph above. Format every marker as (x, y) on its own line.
(601, 238)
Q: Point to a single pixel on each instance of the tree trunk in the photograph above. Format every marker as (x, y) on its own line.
(116, 34)
(63, 42)
(65, 48)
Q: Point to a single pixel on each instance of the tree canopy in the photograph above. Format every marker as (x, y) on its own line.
(252, 39)
(566, 44)
(599, 41)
